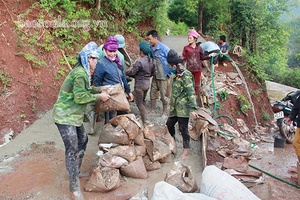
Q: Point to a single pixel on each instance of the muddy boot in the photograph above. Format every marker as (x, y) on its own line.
(153, 106)
(298, 172)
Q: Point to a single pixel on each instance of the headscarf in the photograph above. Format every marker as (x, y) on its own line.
(173, 58)
(89, 50)
(146, 48)
(193, 33)
(112, 44)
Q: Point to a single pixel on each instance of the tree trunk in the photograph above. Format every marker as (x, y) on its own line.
(243, 37)
(200, 16)
(98, 4)
(252, 41)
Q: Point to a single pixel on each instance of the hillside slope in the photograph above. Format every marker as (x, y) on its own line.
(33, 65)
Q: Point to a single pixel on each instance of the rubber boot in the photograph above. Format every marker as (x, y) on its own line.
(298, 172)
(153, 106)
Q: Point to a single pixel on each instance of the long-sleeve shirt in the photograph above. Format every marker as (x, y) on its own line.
(193, 57)
(109, 73)
(161, 51)
(75, 93)
(142, 70)
(183, 99)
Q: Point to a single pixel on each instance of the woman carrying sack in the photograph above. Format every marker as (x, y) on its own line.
(69, 109)
(109, 71)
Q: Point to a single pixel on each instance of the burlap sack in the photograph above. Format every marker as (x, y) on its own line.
(129, 123)
(103, 180)
(159, 130)
(148, 133)
(157, 149)
(197, 127)
(135, 169)
(113, 134)
(140, 150)
(181, 177)
(162, 133)
(109, 160)
(139, 139)
(150, 166)
(166, 159)
(116, 101)
(127, 152)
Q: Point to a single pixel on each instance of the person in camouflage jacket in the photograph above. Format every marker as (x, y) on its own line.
(69, 109)
(183, 100)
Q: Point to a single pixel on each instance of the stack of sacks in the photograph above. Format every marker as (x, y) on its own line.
(133, 149)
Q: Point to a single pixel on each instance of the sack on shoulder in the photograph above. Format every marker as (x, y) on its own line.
(159, 72)
(116, 102)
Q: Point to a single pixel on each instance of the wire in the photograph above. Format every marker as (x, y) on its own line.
(280, 179)
(222, 115)
(230, 135)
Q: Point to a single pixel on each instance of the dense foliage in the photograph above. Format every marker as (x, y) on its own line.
(68, 23)
(271, 48)
(253, 24)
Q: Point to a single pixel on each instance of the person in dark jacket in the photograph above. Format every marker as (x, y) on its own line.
(296, 141)
(68, 112)
(109, 71)
(183, 100)
(142, 70)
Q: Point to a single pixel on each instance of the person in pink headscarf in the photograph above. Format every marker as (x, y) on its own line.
(192, 56)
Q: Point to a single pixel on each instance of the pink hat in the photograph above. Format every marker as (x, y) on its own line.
(193, 33)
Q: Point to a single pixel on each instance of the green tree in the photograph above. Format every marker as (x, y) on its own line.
(293, 52)
(184, 11)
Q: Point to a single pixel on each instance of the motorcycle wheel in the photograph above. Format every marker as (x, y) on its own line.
(286, 131)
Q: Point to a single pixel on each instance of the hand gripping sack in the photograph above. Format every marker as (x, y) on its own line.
(116, 102)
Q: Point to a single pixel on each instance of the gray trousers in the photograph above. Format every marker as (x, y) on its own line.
(75, 140)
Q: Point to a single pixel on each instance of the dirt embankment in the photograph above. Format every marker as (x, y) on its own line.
(30, 76)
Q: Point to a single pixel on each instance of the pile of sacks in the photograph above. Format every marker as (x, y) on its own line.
(129, 149)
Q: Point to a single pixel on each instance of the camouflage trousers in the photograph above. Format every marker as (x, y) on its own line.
(75, 140)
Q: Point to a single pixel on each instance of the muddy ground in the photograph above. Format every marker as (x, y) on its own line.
(33, 167)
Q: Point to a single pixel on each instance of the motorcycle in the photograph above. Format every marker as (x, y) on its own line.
(282, 109)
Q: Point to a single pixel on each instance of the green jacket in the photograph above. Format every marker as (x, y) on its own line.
(75, 93)
(183, 99)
